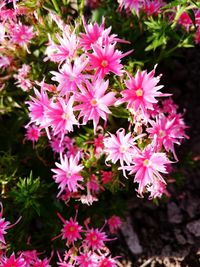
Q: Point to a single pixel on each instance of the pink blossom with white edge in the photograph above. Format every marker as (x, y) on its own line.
(106, 59)
(67, 175)
(60, 116)
(142, 91)
(147, 166)
(70, 75)
(94, 102)
(120, 147)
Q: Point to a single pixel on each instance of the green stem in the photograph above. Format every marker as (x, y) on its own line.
(55, 4)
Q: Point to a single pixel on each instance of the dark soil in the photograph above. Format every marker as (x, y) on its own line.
(168, 233)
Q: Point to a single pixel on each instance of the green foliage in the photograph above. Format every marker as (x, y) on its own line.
(27, 194)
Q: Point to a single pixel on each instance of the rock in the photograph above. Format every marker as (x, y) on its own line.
(130, 236)
(194, 227)
(174, 213)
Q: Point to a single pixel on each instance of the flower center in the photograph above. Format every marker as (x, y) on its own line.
(146, 162)
(94, 237)
(139, 92)
(123, 149)
(104, 63)
(71, 228)
(65, 116)
(93, 102)
(162, 133)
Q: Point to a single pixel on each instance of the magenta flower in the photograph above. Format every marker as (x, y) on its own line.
(106, 59)
(12, 261)
(71, 230)
(32, 133)
(95, 239)
(60, 116)
(147, 168)
(95, 102)
(152, 7)
(141, 92)
(69, 77)
(114, 223)
(67, 175)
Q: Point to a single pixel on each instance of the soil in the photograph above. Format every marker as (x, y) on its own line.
(168, 233)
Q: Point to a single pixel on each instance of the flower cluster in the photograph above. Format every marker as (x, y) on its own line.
(81, 93)
(92, 252)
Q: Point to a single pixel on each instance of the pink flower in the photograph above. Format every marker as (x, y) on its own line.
(93, 33)
(141, 92)
(185, 20)
(152, 7)
(33, 133)
(147, 168)
(114, 223)
(107, 176)
(119, 147)
(167, 132)
(71, 230)
(21, 34)
(95, 239)
(5, 61)
(4, 225)
(67, 48)
(107, 262)
(131, 4)
(12, 261)
(87, 259)
(37, 107)
(93, 184)
(94, 101)
(60, 116)
(105, 60)
(68, 174)
(70, 76)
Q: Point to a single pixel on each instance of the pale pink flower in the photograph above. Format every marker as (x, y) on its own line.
(12, 261)
(67, 47)
(114, 223)
(37, 107)
(70, 76)
(106, 59)
(95, 102)
(141, 92)
(60, 116)
(2, 32)
(157, 189)
(147, 168)
(67, 175)
(119, 147)
(5, 61)
(131, 4)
